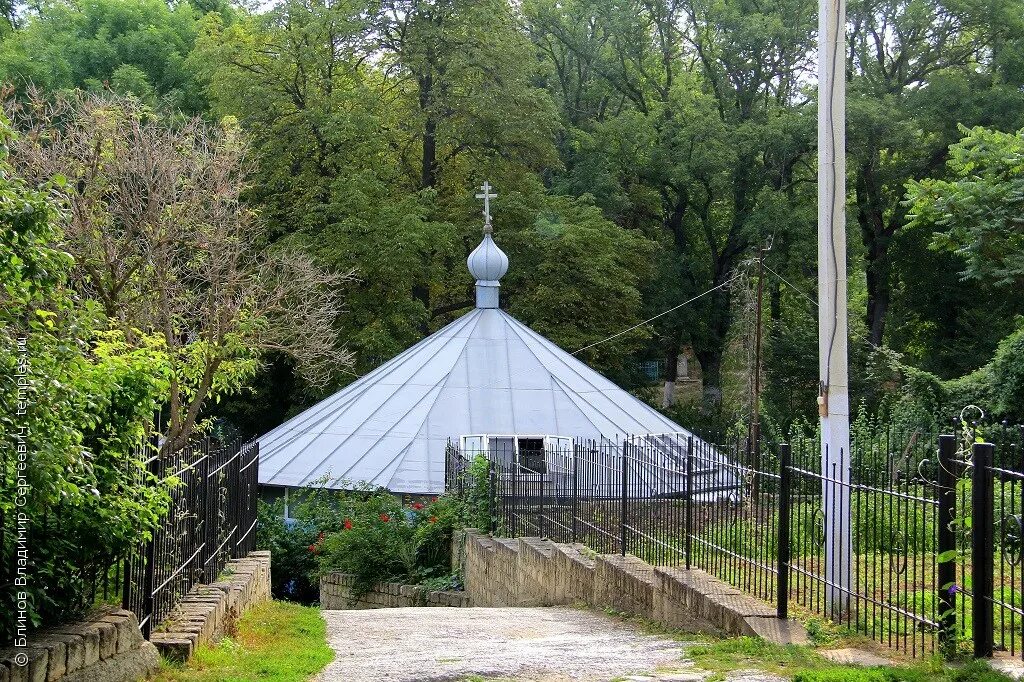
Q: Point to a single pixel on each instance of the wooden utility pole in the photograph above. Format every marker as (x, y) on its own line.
(833, 397)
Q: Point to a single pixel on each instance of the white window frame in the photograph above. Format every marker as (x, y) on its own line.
(558, 444)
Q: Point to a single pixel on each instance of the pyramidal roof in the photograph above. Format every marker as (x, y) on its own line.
(485, 373)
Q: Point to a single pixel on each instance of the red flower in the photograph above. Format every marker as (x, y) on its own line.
(385, 518)
(433, 499)
(433, 519)
(417, 506)
(321, 538)
(348, 524)
(312, 548)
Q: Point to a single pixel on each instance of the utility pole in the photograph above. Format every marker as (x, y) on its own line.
(755, 404)
(833, 397)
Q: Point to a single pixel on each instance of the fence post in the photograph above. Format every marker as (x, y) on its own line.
(982, 563)
(688, 501)
(514, 515)
(492, 498)
(209, 538)
(622, 506)
(149, 570)
(235, 482)
(540, 514)
(575, 492)
(785, 499)
(946, 513)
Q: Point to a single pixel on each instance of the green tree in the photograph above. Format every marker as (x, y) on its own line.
(685, 121)
(165, 245)
(918, 68)
(75, 404)
(978, 212)
(129, 46)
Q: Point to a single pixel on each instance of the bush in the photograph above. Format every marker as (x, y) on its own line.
(74, 400)
(366, 532)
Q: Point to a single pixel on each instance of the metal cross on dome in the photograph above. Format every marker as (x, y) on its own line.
(487, 195)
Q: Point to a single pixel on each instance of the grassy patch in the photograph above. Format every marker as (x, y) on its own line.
(803, 664)
(752, 653)
(275, 642)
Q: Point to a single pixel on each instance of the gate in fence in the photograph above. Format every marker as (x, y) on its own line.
(935, 523)
(211, 519)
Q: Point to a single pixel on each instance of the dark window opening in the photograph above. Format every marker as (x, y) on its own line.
(531, 455)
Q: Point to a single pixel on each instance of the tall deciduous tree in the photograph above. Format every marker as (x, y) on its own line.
(917, 68)
(128, 46)
(978, 212)
(162, 239)
(689, 113)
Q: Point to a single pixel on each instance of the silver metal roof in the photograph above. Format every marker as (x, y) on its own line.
(485, 372)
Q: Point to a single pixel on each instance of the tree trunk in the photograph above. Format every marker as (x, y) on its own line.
(668, 397)
(775, 301)
(421, 293)
(876, 236)
(428, 172)
(711, 373)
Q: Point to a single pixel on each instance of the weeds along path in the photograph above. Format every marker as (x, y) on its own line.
(537, 644)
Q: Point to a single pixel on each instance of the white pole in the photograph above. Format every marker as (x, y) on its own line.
(834, 399)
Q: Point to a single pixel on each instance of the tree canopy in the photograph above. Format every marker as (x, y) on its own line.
(644, 153)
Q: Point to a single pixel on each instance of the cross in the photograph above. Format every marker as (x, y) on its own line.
(487, 196)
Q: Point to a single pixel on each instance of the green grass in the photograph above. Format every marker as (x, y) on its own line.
(274, 642)
(740, 653)
(803, 664)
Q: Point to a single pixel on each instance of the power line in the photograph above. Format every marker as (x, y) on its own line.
(852, 332)
(661, 314)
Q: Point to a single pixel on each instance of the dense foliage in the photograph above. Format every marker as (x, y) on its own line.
(369, 533)
(641, 151)
(74, 400)
(229, 165)
(365, 532)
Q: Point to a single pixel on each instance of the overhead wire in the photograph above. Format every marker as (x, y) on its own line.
(661, 314)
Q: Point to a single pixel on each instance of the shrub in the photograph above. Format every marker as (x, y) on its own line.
(293, 568)
(74, 400)
(378, 540)
(365, 532)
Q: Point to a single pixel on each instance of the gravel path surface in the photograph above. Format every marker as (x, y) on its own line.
(524, 644)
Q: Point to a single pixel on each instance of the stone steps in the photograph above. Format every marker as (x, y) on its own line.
(537, 572)
(210, 610)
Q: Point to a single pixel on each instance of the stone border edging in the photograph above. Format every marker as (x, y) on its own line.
(336, 595)
(210, 610)
(107, 646)
(537, 572)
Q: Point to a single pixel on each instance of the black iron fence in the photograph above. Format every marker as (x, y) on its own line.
(211, 519)
(910, 539)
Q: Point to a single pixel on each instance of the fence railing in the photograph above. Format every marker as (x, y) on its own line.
(211, 519)
(934, 560)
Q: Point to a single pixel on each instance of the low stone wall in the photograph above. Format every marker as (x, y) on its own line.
(536, 572)
(106, 647)
(624, 583)
(336, 594)
(209, 611)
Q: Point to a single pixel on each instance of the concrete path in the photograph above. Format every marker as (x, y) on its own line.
(552, 644)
